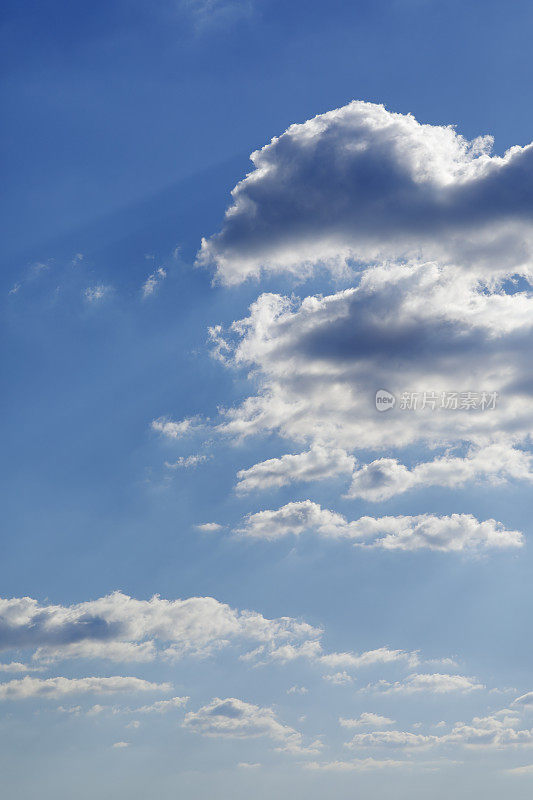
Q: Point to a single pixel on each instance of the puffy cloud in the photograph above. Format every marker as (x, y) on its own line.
(435, 683)
(231, 717)
(500, 729)
(361, 183)
(496, 730)
(17, 666)
(319, 463)
(119, 627)
(61, 687)
(457, 532)
(386, 477)
(441, 309)
(294, 519)
(172, 429)
(123, 628)
(367, 718)
(407, 328)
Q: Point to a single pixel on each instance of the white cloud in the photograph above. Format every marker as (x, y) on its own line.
(153, 281)
(122, 628)
(361, 183)
(526, 769)
(391, 739)
(187, 461)
(319, 463)
(158, 707)
(457, 532)
(209, 527)
(17, 666)
(93, 294)
(386, 477)
(498, 730)
(120, 745)
(434, 683)
(60, 687)
(231, 717)
(524, 700)
(409, 328)
(359, 765)
(297, 690)
(162, 706)
(366, 719)
(341, 678)
(173, 429)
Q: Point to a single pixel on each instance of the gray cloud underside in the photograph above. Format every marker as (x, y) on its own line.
(123, 629)
(363, 183)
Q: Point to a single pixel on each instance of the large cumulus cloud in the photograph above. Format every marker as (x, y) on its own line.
(362, 183)
(407, 328)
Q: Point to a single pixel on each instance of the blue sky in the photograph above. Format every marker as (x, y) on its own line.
(185, 421)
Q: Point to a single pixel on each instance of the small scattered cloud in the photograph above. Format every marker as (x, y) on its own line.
(162, 706)
(342, 678)
(209, 527)
(153, 282)
(96, 293)
(367, 718)
(172, 429)
(185, 462)
(434, 683)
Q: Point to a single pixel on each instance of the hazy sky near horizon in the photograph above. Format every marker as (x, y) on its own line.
(229, 229)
